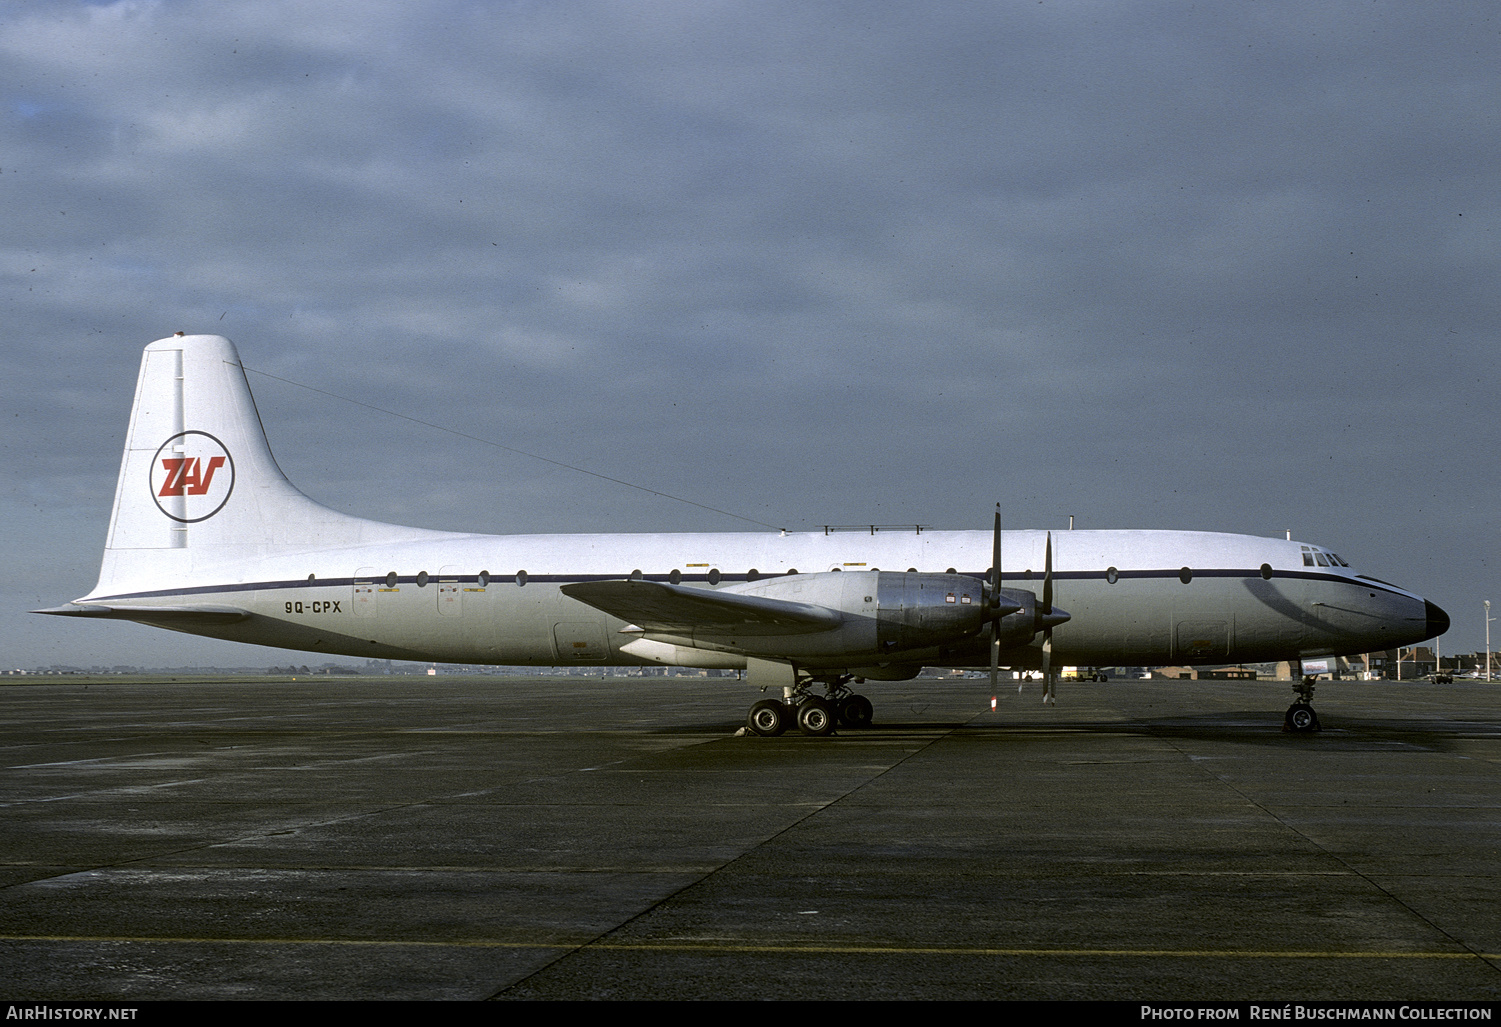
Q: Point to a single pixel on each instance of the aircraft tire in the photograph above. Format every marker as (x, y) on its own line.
(1301, 718)
(856, 711)
(815, 717)
(768, 718)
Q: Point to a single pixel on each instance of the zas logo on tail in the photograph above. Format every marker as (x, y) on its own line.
(192, 476)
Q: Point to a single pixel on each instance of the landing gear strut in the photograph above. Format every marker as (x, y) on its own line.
(1301, 717)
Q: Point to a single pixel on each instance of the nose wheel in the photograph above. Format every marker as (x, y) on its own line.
(1301, 718)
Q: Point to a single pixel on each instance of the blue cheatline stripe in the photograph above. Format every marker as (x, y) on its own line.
(495, 579)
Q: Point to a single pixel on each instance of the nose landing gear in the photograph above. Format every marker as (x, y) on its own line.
(1301, 717)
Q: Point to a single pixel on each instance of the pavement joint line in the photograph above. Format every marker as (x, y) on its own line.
(751, 947)
(878, 772)
(1336, 856)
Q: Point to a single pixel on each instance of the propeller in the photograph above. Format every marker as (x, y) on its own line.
(1045, 616)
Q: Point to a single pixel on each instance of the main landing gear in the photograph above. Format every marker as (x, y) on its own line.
(1301, 717)
(812, 714)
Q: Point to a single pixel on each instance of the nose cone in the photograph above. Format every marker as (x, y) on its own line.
(1438, 620)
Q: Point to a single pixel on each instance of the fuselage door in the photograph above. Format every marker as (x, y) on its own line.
(363, 603)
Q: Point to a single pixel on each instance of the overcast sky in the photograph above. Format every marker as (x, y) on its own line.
(1227, 266)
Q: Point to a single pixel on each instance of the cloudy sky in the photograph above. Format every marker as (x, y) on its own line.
(1227, 266)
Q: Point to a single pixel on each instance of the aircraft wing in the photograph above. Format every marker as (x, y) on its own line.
(683, 609)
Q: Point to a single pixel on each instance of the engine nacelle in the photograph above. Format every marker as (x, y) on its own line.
(1018, 629)
(915, 611)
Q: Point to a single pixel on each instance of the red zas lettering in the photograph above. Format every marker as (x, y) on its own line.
(185, 478)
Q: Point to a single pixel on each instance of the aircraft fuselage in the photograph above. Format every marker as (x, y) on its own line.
(495, 599)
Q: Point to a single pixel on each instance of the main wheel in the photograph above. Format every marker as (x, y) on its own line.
(856, 711)
(768, 717)
(815, 717)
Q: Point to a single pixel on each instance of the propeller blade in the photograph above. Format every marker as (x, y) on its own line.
(995, 553)
(995, 602)
(1048, 693)
(1047, 577)
(1047, 667)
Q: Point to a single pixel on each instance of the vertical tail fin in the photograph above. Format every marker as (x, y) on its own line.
(198, 484)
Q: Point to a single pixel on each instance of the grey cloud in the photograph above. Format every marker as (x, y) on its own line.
(1225, 267)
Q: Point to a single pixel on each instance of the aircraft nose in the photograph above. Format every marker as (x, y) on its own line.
(1438, 620)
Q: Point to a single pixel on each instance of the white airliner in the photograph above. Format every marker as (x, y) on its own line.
(209, 537)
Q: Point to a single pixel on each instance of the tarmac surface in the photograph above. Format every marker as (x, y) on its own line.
(571, 837)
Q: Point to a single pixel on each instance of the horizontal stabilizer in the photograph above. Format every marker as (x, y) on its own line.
(683, 609)
(163, 615)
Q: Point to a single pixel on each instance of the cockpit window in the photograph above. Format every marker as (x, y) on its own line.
(1321, 557)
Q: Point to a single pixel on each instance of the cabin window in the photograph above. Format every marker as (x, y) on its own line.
(1112, 575)
(676, 576)
(310, 577)
(520, 578)
(951, 571)
(422, 579)
(391, 580)
(752, 574)
(791, 570)
(1266, 571)
(636, 574)
(714, 575)
(911, 570)
(1185, 575)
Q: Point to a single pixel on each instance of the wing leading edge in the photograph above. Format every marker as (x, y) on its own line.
(683, 609)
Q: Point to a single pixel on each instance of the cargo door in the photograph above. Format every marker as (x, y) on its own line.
(1202, 640)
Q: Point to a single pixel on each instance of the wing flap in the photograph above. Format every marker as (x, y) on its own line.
(683, 609)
